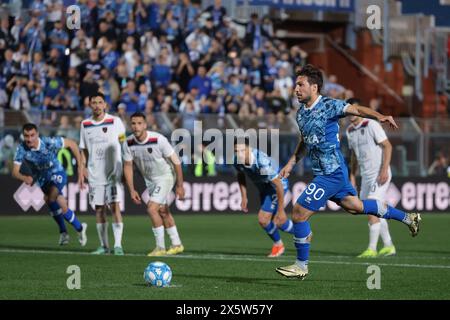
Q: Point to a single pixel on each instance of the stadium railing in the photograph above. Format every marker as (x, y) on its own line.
(415, 143)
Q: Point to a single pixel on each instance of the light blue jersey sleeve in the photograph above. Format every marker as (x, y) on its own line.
(20, 153)
(266, 166)
(336, 109)
(54, 143)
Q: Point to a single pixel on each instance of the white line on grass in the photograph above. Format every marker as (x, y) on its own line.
(237, 258)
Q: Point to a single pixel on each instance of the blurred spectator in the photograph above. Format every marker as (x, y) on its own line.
(19, 95)
(59, 39)
(184, 71)
(7, 151)
(374, 104)
(130, 98)
(332, 89)
(205, 162)
(161, 72)
(235, 87)
(201, 81)
(218, 13)
(66, 129)
(284, 84)
(93, 65)
(255, 33)
(270, 73)
(440, 165)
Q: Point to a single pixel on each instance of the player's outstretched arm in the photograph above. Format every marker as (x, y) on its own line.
(296, 157)
(371, 114)
(243, 187)
(387, 155)
(179, 189)
(280, 194)
(16, 174)
(128, 174)
(72, 145)
(353, 168)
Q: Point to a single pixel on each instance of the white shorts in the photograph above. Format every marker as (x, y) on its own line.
(370, 189)
(105, 194)
(159, 189)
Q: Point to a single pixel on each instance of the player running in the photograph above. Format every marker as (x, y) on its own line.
(264, 173)
(101, 140)
(39, 156)
(160, 167)
(371, 149)
(317, 119)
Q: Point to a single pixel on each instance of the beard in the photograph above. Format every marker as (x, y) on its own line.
(304, 100)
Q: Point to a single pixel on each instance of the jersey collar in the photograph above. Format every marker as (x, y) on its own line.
(145, 140)
(315, 103)
(38, 147)
(360, 124)
(100, 121)
(252, 160)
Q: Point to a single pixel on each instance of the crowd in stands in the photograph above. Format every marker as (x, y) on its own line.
(172, 56)
(150, 56)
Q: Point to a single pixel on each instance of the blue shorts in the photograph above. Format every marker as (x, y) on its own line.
(269, 200)
(334, 187)
(57, 179)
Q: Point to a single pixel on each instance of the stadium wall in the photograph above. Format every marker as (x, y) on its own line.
(220, 194)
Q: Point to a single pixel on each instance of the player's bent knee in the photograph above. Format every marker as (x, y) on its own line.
(279, 221)
(263, 221)
(300, 214)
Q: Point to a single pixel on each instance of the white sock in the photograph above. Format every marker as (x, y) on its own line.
(102, 230)
(384, 232)
(374, 233)
(173, 234)
(159, 237)
(118, 231)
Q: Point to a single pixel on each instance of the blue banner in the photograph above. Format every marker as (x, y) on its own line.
(314, 5)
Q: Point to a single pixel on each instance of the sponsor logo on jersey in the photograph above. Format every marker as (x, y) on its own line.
(312, 139)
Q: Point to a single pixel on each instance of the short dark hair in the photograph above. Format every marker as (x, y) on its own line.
(313, 74)
(97, 94)
(29, 126)
(242, 140)
(138, 115)
(354, 101)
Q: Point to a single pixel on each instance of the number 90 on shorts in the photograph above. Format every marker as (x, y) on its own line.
(333, 187)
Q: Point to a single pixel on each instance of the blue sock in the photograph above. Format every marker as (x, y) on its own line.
(301, 232)
(56, 213)
(72, 219)
(272, 231)
(381, 210)
(288, 226)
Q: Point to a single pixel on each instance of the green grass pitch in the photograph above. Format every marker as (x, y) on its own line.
(225, 258)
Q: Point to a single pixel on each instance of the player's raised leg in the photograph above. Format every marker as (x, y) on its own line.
(158, 229)
(171, 229)
(354, 205)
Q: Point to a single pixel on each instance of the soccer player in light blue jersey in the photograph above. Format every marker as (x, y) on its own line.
(40, 156)
(264, 173)
(317, 119)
